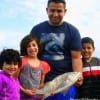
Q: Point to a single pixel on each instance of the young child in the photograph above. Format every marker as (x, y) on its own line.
(91, 72)
(33, 70)
(9, 86)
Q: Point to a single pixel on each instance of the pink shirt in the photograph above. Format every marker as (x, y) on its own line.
(9, 87)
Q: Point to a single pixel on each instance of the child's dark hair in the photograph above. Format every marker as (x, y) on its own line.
(57, 1)
(88, 40)
(25, 41)
(10, 56)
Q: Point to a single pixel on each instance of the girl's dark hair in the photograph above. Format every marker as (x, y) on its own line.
(10, 56)
(57, 1)
(88, 40)
(25, 41)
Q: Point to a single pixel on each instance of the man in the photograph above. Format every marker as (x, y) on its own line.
(61, 45)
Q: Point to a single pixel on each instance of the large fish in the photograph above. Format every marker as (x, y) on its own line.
(59, 84)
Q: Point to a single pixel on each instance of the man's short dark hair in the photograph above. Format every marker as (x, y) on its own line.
(57, 1)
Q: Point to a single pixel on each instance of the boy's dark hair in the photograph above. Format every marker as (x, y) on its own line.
(25, 41)
(10, 56)
(88, 40)
(57, 1)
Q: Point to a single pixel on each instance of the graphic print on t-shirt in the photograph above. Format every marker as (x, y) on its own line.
(53, 45)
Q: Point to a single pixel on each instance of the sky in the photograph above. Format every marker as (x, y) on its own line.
(17, 17)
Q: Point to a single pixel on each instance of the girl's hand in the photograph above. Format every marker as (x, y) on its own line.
(41, 86)
(29, 92)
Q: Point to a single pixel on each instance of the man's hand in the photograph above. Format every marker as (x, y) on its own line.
(79, 82)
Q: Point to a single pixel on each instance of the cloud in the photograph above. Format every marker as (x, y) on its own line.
(2, 37)
(85, 15)
(14, 8)
(10, 39)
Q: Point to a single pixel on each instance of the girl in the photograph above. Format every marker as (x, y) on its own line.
(9, 86)
(91, 72)
(33, 70)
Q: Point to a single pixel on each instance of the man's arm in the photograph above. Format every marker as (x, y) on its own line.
(77, 65)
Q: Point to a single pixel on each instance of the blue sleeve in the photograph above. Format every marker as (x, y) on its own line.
(75, 40)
